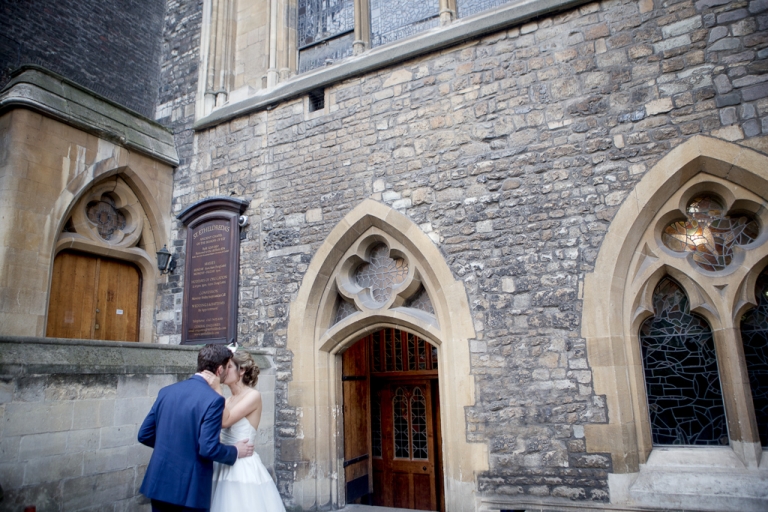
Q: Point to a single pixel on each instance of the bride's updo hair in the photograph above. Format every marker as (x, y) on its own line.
(244, 361)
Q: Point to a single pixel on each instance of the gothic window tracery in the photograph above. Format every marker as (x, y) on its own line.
(376, 275)
(681, 376)
(382, 274)
(710, 234)
(754, 335)
(105, 216)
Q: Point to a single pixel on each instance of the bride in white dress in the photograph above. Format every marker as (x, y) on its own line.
(247, 485)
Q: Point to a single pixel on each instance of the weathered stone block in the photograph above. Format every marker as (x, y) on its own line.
(132, 410)
(38, 417)
(43, 445)
(99, 489)
(105, 459)
(53, 469)
(130, 386)
(123, 435)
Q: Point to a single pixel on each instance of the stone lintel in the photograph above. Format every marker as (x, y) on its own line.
(41, 90)
(473, 27)
(22, 355)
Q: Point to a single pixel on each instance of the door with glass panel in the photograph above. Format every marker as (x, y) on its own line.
(404, 466)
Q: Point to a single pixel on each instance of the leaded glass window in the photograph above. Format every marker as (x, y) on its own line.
(395, 19)
(376, 424)
(710, 234)
(325, 32)
(420, 300)
(105, 216)
(400, 424)
(393, 350)
(382, 274)
(343, 310)
(685, 400)
(419, 425)
(754, 335)
(469, 7)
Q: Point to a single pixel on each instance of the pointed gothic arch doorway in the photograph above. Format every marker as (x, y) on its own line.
(392, 434)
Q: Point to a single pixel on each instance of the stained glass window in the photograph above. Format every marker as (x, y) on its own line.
(105, 216)
(400, 416)
(710, 234)
(419, 425)
(754, 334)
(469, 7)
(382, 274)
(395, 19)
(685, 400)
(420, 300)
(324, 31)
(343, 310)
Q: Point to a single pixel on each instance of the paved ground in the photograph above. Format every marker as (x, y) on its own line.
(369, 508)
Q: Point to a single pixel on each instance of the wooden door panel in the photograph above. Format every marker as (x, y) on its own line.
(72, 301)
(93, 298)
(406, 482)
(118, 302)
(357, 414)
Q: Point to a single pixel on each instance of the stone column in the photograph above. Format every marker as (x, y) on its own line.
(220, 75)
(362, 27)
(447, 12)
(272, 75)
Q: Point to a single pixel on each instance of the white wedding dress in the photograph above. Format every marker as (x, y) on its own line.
(247, 485)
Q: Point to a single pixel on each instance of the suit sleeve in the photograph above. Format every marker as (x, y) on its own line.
(149, 427)
(210, 447)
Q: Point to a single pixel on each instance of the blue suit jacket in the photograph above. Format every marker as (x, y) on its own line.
(183, 427)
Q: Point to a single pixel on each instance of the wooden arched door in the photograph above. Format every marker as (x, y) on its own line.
(392, 438)
(93, 297)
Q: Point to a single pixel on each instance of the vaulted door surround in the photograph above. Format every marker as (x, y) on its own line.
(678, 342)
(104, 269)
(377, 270)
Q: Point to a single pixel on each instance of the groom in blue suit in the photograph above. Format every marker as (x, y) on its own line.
(183, 427)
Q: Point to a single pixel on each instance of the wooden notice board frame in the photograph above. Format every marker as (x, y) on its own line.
(211, 270)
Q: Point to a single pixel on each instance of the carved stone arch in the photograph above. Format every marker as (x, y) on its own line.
(149, 231)
(616, 293)
(315, 345)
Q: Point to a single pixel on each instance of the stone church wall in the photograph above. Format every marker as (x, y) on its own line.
(112, 47)
(70, 411)
(513, 153)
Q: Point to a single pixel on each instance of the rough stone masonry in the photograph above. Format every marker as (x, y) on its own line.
(512, 152)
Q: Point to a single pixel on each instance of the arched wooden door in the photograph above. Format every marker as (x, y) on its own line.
(93, 298)
(392, 453)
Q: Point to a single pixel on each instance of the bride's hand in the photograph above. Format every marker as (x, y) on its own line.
(212, 380)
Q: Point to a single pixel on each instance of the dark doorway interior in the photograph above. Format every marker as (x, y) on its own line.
(392, 437)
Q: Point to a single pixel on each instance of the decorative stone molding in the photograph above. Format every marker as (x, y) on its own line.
(46, 92)
(317, 340)
(617, 300)
(131, 237)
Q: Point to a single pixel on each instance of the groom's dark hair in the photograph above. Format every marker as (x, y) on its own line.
(212, 356)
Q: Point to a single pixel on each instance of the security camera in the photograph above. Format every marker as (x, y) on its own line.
(242, 221)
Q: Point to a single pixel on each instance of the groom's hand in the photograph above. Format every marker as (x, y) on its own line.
(244, 448)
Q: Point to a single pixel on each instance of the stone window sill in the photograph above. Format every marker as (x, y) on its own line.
(510, 15)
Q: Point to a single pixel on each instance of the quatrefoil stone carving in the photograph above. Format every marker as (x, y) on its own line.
(377, 276)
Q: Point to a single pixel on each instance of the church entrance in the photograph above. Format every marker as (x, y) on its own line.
(392, 441)
(93, 298)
